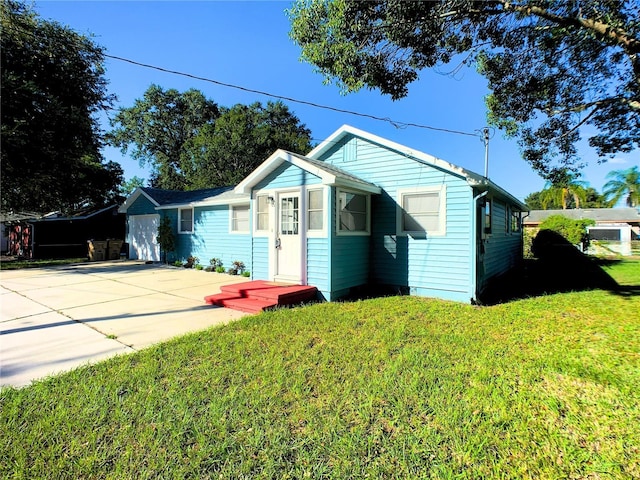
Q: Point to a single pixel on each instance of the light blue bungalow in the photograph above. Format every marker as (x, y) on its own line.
(357, 210)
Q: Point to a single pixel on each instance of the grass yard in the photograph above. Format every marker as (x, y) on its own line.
(15, 264)
(545, 387)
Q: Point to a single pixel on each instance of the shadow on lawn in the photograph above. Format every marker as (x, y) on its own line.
(559, 267)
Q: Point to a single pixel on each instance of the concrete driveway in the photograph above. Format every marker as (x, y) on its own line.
(56, 319)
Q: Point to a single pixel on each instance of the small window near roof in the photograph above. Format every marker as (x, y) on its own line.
(240, 219)
(186, 220)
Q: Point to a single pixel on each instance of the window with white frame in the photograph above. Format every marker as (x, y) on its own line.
(315, 210)
(422, 211)
(353, 212)
(262, 213)
(185, 220)
(515, 222)
(487, 216)
(240, 218)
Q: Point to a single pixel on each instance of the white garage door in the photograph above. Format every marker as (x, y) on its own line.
(143, 230)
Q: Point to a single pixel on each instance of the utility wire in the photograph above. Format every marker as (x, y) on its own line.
(395, 123)
(293, 100)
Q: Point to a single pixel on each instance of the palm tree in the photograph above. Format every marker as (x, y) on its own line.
(559, 190)
(623, 183)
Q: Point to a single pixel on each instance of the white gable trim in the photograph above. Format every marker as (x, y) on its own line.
(345, 130)
(281, 156)
(472, 178)
(133, 197)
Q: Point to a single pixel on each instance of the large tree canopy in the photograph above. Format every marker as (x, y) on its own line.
(53, 86)
(242, 138)
(192, 143)
(553, 67)
(159, 129)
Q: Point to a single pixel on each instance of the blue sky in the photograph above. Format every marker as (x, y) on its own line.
(247, 44)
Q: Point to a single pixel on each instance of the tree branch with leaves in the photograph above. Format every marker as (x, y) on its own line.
(555, 69)
(53, 86)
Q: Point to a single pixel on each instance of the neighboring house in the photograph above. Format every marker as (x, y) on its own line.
(57, 236)
(615, 228)
(6, 221)
(357, 210)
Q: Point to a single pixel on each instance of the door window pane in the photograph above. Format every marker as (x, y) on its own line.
(289, 216)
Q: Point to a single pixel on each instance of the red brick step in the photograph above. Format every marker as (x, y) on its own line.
(258, 295)
(221, 297)
(249, 305)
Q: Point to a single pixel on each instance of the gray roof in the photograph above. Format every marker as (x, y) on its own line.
(600, 215)
(171, 197)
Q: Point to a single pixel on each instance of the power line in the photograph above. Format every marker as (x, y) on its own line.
(395, 123)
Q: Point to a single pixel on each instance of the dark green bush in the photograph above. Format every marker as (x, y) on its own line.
(574, 231)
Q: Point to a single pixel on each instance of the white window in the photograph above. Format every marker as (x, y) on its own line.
(185, 220)
(262, 213)
(422, 211)
(240, 219)
(315, 210)
(515, 222)
(487, 216)
(353, 213)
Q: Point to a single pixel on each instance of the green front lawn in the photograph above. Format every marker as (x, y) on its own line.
(545, 387)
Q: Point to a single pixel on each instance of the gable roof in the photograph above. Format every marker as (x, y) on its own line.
(135, 195)
(472, 178)
(163, 199)
(329, 174)
(600, 215)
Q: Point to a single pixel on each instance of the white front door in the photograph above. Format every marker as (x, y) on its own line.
(143, 232)
(288, 240)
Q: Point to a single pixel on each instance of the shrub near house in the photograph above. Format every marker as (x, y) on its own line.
(572, 231)
(575, 231)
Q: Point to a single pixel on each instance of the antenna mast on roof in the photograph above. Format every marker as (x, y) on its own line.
(485, 136)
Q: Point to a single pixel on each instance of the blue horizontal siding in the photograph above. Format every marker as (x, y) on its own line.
(317, 264)
(141, 206)
(287, 175)
(428, 264)
(260, 259)
(211, 238)
(349, 262)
